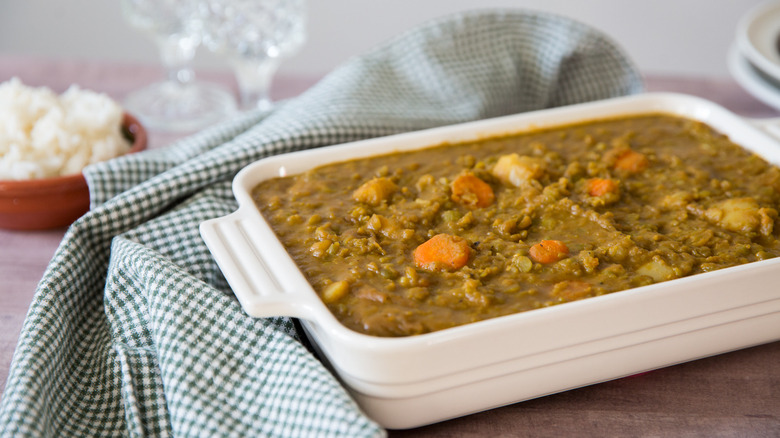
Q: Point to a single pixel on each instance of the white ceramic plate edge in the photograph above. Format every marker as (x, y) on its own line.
(751, 80)
(757, 37)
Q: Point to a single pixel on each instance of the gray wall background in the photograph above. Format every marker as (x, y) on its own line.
(683, 37)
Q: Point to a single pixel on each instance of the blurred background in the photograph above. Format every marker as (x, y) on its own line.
(675, 37)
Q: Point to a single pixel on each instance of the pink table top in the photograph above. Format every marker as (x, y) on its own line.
(733, 394)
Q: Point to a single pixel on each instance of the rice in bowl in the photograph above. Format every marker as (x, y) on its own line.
(44, 135)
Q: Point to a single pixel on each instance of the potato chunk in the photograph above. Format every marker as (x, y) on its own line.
(516, 170)
(388, 227)
(335, 291)
(375, 191)
(742, 215)
(657, 269)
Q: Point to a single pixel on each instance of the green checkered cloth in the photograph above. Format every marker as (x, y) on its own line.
(133, 331)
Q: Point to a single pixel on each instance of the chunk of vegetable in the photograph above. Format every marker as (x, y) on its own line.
(601, 186)
(388, 227)
(548, 251)
(742, 215)
(631, 161)
(442, 252)
(335, 291)
(516, 170)
(657, 269)
(375, 191)
(471, 192)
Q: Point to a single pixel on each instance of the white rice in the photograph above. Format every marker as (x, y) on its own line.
(44, 135)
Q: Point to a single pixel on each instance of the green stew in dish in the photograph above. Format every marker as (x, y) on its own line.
(414, 242)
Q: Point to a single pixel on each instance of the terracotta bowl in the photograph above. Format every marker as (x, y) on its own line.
(54, 202)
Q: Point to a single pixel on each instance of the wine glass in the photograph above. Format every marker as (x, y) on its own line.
(179, 103)
(254, 35)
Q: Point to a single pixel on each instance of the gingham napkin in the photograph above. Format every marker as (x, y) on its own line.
(134, 332)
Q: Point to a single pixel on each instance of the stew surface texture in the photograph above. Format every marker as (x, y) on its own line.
(414, 242)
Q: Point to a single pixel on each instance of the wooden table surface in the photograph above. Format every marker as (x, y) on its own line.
(733, 394)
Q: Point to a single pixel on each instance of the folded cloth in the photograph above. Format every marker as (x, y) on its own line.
(133, 331)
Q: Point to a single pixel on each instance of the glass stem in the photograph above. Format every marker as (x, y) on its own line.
(177, 52)
(254, 81)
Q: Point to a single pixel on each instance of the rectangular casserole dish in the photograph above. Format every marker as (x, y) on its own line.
(412, 381)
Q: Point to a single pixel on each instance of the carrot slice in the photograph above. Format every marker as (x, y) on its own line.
(548, 251)
(631, 161)
(601, 186)
(470, 191)
(442, 251)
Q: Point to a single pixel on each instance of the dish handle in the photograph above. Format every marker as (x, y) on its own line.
(770, 126)
(245, 255)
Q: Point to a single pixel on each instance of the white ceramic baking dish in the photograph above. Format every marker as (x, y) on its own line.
(412, 381)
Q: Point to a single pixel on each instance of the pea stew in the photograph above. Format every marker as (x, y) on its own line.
(409, 243)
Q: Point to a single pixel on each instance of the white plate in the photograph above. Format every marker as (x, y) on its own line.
(757, 37)
(752, 80)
